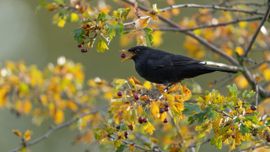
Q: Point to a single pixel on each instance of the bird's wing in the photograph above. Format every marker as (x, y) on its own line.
(179, 60)
(171, 61)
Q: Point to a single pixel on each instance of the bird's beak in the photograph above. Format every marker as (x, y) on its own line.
(126, 55)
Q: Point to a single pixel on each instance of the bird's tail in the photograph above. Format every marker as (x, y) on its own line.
(214, 66)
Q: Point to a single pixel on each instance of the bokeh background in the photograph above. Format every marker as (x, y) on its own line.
(27, 34)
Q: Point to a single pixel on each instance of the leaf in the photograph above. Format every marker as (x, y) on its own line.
(27, 135)
(233, 90)
(74, 17)
(142, 22)
(102, 46)
(147, 85)
(154, 108)
(148, 36)
(191, 108)
(149, 128)
(121, 148)
(102, 17)
(244, 129)
(17, 132)
(78, 35)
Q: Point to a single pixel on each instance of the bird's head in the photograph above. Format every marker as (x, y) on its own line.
(133, 52)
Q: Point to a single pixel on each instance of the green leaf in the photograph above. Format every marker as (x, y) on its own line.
(121, 148)
(102, 46)
(121, 13)
(191, 108)
(102, 17)
(233, 90)
(78, 35)
(148, 35)
(244, 129)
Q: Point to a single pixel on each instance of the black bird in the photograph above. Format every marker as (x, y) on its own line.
(166, 68)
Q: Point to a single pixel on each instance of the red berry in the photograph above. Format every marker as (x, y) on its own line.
(123, 55)
(165, 121)
(83, 50)
(252, 107)
(119, 94)
(136, 97)
(126, 134)
(161, 110)
(166, 109)
(80, 46)
(144, 120)
(140, 120)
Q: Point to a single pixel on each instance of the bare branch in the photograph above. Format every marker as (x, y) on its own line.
(235, 21)
(266, 16)
(214, 7)
(51, 130)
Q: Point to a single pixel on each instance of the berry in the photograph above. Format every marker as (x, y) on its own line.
(166, 108)
(83, 50)
(119, 94)
(141, 120)
(136, 97)
(144, 120)
(161, 110)
(252, 107)
(80, 46)
(126, 134)
(118, 127)
(165, 121)
(123, 55)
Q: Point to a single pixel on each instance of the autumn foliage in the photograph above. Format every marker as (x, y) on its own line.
(132, 115)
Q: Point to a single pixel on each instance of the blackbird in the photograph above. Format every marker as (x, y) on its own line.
(166, 68)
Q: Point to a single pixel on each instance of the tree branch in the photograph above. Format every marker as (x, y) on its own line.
(191, 34)
(214, 7)
(266, 16)
(235, 21)
(50, 131)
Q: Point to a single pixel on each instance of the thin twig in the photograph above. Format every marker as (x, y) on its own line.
(235, 21)
(51, 130)
(214, 7)
(131, 143)
(257, 95)
(266, 16)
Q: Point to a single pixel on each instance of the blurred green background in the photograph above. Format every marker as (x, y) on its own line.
(27, 34)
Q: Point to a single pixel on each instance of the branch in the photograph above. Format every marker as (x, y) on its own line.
(50, 131)
(266, 16)
(131, 143)
(214, 7)
(191, 34)
(235, 21)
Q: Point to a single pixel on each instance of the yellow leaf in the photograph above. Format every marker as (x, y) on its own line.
(157, 40)
(59, 117)
(147, 85)
(266, 74)
(102, 46)
(243, 24)
(154, 108)
(27, 135)
(239, 50)
(149, 128)
(142, 22)
(61, 23)
(74, 17)
(241, 82)
(72, 106)
(27, 106)
(17, 132)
